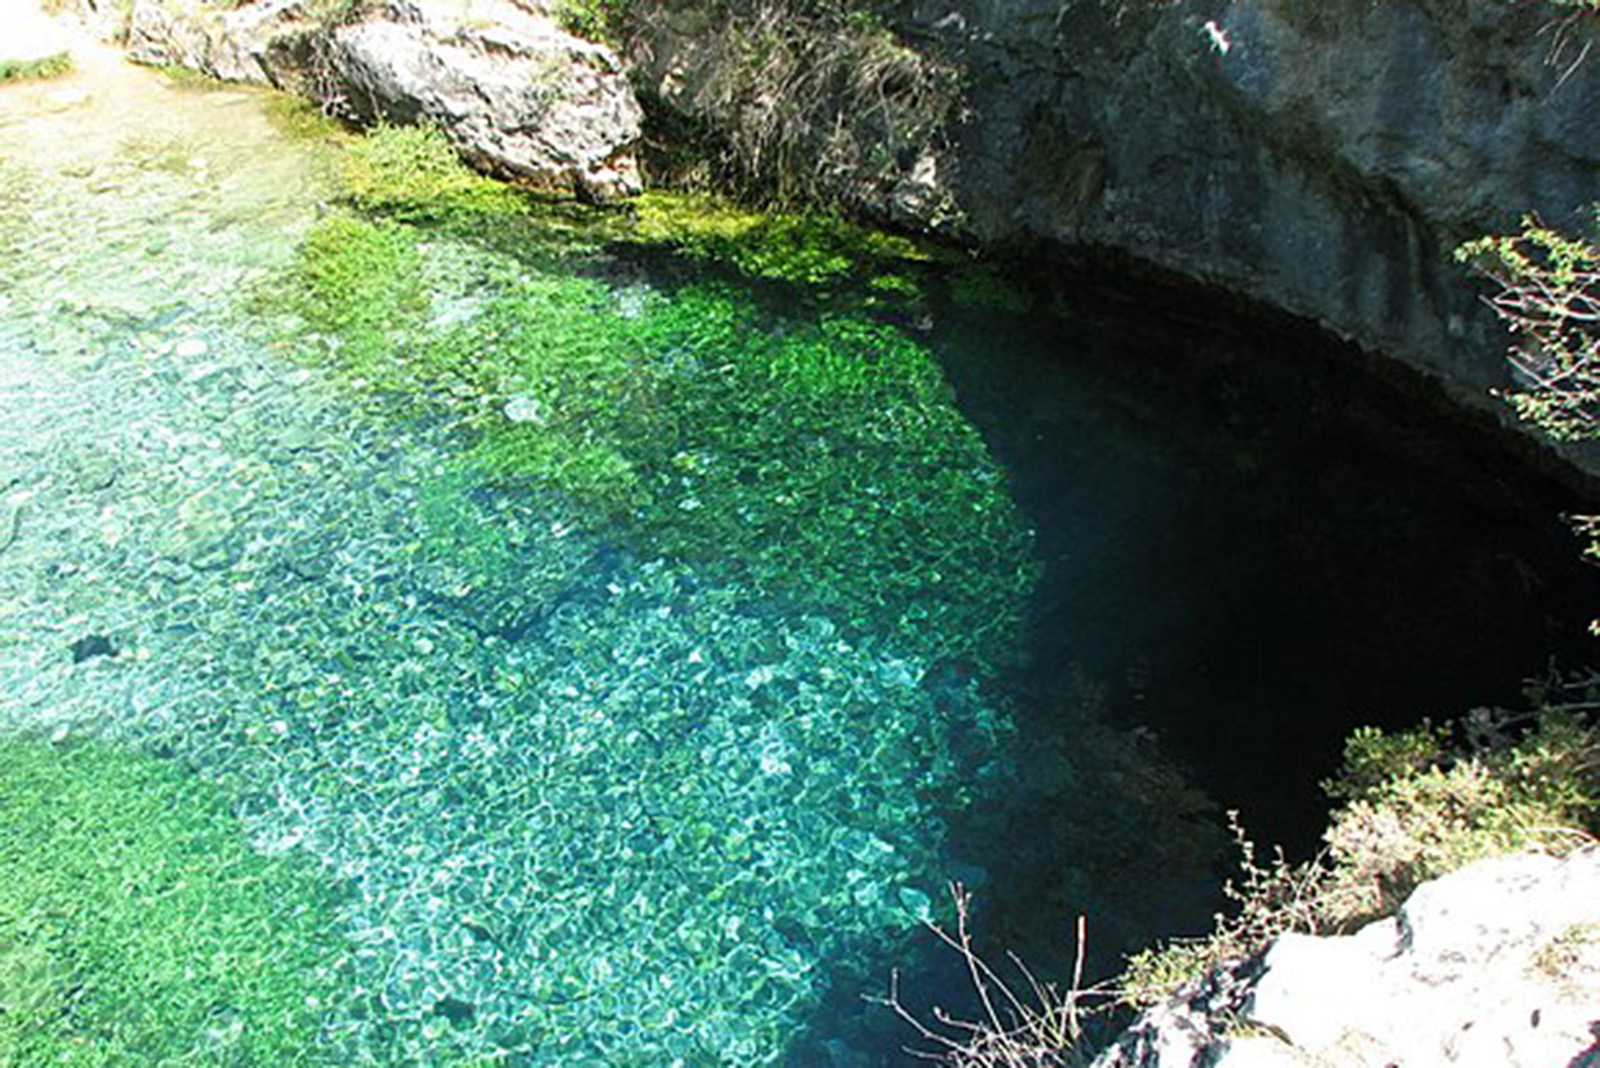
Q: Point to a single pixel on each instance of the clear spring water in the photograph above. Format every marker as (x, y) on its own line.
(594, 805)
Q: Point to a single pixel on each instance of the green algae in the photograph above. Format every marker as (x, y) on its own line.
(360, 284)
(301, 119)
(138, 927)
(824, 455)
(805, 248)
(412, 173)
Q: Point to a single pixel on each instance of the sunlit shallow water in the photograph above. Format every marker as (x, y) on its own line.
(581, 804)
(670, 790)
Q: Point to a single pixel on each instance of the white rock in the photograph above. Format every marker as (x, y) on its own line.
(516, 93)
(1493, 966)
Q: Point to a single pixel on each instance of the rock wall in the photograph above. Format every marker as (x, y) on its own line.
(1494, 965)
(1321, 158)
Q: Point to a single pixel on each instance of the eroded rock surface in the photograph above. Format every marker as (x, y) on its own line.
(517, 94)
(1323, 160)
(1494, 965)
(255, 42)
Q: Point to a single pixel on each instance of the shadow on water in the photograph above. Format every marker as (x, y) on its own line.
(1256, 539)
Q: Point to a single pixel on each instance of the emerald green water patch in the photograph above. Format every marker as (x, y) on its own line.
(301, 119)
(359, 284)
(412, 173)
(803, 248)
(822, 457)
(137, 927)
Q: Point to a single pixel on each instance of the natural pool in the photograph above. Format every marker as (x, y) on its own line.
(424, 647)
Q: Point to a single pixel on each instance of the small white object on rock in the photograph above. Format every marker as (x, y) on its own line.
(1217, 36)
(190, 347)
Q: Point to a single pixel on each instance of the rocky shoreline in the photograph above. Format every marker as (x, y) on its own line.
(1320, 166)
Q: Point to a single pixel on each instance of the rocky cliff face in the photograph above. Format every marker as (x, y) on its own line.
(1495, 965)
(1321, 158)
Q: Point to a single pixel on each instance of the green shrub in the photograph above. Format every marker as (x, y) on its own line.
(17, 70)
(1550, 298)
(1433, 814)
(1416, 805)
(593, 20)
(138, 928)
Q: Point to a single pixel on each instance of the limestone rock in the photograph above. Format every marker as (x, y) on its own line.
(518, 95)
(1324, 160)
(1495, 965)
(254, 42)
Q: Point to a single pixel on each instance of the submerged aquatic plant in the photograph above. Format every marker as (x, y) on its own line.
(413, 173)
(359, 285)
(803, 247)
(820, 457)
(823, 459)
(138, 927)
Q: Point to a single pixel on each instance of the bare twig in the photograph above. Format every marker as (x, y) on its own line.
(1039, 1027)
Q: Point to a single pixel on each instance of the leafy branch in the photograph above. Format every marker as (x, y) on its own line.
(1550, 299)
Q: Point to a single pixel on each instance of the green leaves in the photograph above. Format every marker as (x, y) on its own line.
(1550, 300)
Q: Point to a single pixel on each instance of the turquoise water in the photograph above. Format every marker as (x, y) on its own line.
(589, 799)
(635, 698)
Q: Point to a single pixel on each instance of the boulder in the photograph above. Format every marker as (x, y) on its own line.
(1496, 965)
(260, 42)
(519, 96)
